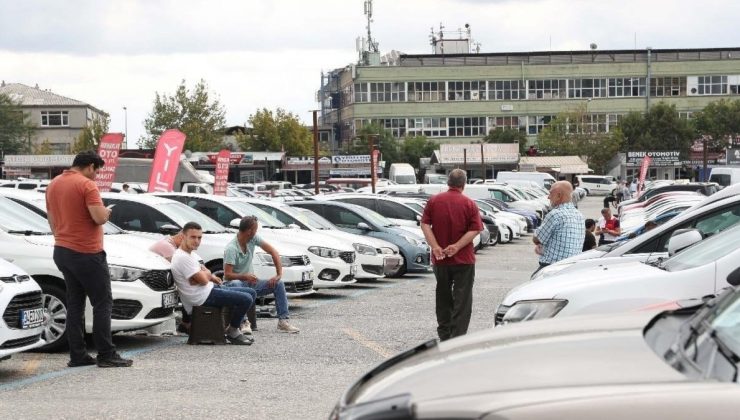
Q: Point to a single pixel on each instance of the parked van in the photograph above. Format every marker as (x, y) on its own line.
(725, 176)
(402, 173)
(542, 179)
(597, 184)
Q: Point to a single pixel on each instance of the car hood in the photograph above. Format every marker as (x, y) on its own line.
(358, 239)
(304, 238)
(561, 267)
(595, 351)
(410, 229)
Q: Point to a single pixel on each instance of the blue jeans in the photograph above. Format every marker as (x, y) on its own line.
(239, 298)
(262, 288)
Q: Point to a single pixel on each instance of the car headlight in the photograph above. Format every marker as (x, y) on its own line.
(386, 251)
(365, 249)
(121, 273)
(266, 259)
(324, 252)
(550, 270)
(528, 310)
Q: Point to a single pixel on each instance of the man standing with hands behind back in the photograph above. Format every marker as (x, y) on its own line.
(76, 214)
(450, 223)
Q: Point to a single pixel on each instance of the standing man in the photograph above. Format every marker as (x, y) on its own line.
(450, 222)
(76, 214)
(607, 227)
(238, 256)
(562, 231)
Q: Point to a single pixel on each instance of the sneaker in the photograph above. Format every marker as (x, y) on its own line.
(240, 340)
(246, 328)
(114, 360)
(86, 361)
(284, 326)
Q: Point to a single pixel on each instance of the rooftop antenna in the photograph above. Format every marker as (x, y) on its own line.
(372, 45)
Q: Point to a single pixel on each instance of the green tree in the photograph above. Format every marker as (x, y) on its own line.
(720, 121)
(90, 136)
(415, 148)
(16, 130)
(275, 131)
(659, 129)
(508, 135)
(574, 133)
(190, 111)
(44, 148)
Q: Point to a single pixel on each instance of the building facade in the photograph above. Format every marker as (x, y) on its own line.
(58, 119)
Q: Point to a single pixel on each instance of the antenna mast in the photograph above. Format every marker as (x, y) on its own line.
(372, 46)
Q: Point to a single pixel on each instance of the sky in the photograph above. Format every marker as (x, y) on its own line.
(256, 54)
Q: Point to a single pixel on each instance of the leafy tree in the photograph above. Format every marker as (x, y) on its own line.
(383, 139)
(275, 131)
(190, 111)
(720, 121)
(508, 135)
(659, 129)
(415, 148)
(44, 148)
(16, 130)
(90, 136)
(570, 134)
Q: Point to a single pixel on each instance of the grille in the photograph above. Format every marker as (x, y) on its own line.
(160, 313)
(348, 257)
(159, 280)
(373, 269)
(500, 312)
(20, 342)
(12, 314)
(299, 260)
(297, 287)
(125, 309)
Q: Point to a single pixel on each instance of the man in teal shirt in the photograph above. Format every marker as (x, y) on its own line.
(238, 256)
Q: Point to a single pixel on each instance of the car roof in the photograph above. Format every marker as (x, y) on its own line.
(147, 198)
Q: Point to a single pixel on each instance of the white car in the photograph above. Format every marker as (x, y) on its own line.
(22, 308)
(149, 216)
(391, 208)
(617, 286)
(142, 288)
(333, 260)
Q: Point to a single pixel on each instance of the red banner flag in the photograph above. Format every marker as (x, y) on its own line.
(643, 173)
(110, 145)
(222, 172)
(166, 161)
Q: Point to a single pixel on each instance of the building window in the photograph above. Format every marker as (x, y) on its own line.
(504, 90)
(508, 122)
(547, 89)
(467, 126)
(594, 123)
(361, 92)
(466, 91)
(613, 120)
(397, 126)
(426, 91)
(54, 118)
(687, 115)
(429, 127)
(667, 86)
(587, 88)
(538, 123)
(712, 85)
(387, 92)
(624, 87)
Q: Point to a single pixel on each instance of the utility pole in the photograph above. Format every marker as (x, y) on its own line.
(465, 161)
(373, 163)
(315, 151)
(482, 163)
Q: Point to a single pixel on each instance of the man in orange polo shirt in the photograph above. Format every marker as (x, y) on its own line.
(450, 222)
(76, 214)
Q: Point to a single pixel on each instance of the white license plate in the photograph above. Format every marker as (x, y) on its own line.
(353, 269)
(32, 318)
(307, 275)
(169, 300)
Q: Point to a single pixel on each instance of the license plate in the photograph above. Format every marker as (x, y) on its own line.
(307, 275)
(353, 269)
(32, 318)
(169, 300)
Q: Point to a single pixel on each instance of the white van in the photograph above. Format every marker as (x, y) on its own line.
(542, 179)
(402, 173)
(597, 184)
(725, 176)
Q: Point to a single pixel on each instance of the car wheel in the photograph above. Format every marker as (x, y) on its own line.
(55, 318)
(402, 270)
(494, 240)
(511, 234)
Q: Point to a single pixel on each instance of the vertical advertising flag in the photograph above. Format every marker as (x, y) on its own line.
(222, 172)
(110, 145)
(166, 161)
(643, 173)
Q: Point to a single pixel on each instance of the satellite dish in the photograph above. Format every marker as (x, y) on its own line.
(594, 46)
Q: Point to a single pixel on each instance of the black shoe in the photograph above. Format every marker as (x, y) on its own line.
(114, 360)
(86, 361)
(240, 340)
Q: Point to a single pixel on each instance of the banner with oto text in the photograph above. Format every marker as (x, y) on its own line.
(222, 172)
(166, 161)
(643, 173)
(110, 145)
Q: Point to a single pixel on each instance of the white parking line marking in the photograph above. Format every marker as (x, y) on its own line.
(372, 345)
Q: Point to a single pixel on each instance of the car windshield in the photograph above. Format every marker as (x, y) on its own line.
(726, 322)
(312, 219)
(181, 214)
(266, 219)
(19, 219)
(706, 251)
(374, 217)
(416, 206)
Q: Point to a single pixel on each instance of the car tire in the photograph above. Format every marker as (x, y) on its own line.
(402, 270)
(511, 234)
(55, 318)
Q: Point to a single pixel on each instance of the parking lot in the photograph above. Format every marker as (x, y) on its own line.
(344, 332)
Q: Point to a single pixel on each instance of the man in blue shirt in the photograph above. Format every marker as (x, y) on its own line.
(562, 231)
(238, 256)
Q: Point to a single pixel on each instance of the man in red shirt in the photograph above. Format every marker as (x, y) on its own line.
(450, 222)
(76, 214)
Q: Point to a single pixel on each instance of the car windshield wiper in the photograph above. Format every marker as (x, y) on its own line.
(211, 232)
(29, 232)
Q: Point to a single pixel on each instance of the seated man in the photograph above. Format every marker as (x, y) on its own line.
(238, 256)
(198, 286)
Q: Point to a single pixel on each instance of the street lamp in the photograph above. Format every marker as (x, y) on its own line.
(125, 124)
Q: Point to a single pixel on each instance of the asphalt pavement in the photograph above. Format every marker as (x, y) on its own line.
(344, 333)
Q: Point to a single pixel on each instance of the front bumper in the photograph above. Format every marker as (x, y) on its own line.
(135, 306)
(420, 261)
(333, 272)
(14, 339)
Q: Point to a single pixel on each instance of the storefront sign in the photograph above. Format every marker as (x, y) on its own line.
(350, 159)
(492, 153)
(234, 157)
(659, 158)
(166, 161)
(222, 172)
(38, 161)
(733, 155)
(110, 145)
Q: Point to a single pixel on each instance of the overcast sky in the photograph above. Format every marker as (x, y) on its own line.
(270, 53)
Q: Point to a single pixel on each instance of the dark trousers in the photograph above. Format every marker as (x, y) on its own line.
(86, 275)
(239, 298)
(454, 299)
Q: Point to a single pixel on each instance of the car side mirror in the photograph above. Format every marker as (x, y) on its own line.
(363, 226)
(682, 239)
(734, 277)
(294, 226)
(169, 229)
(235, 223)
